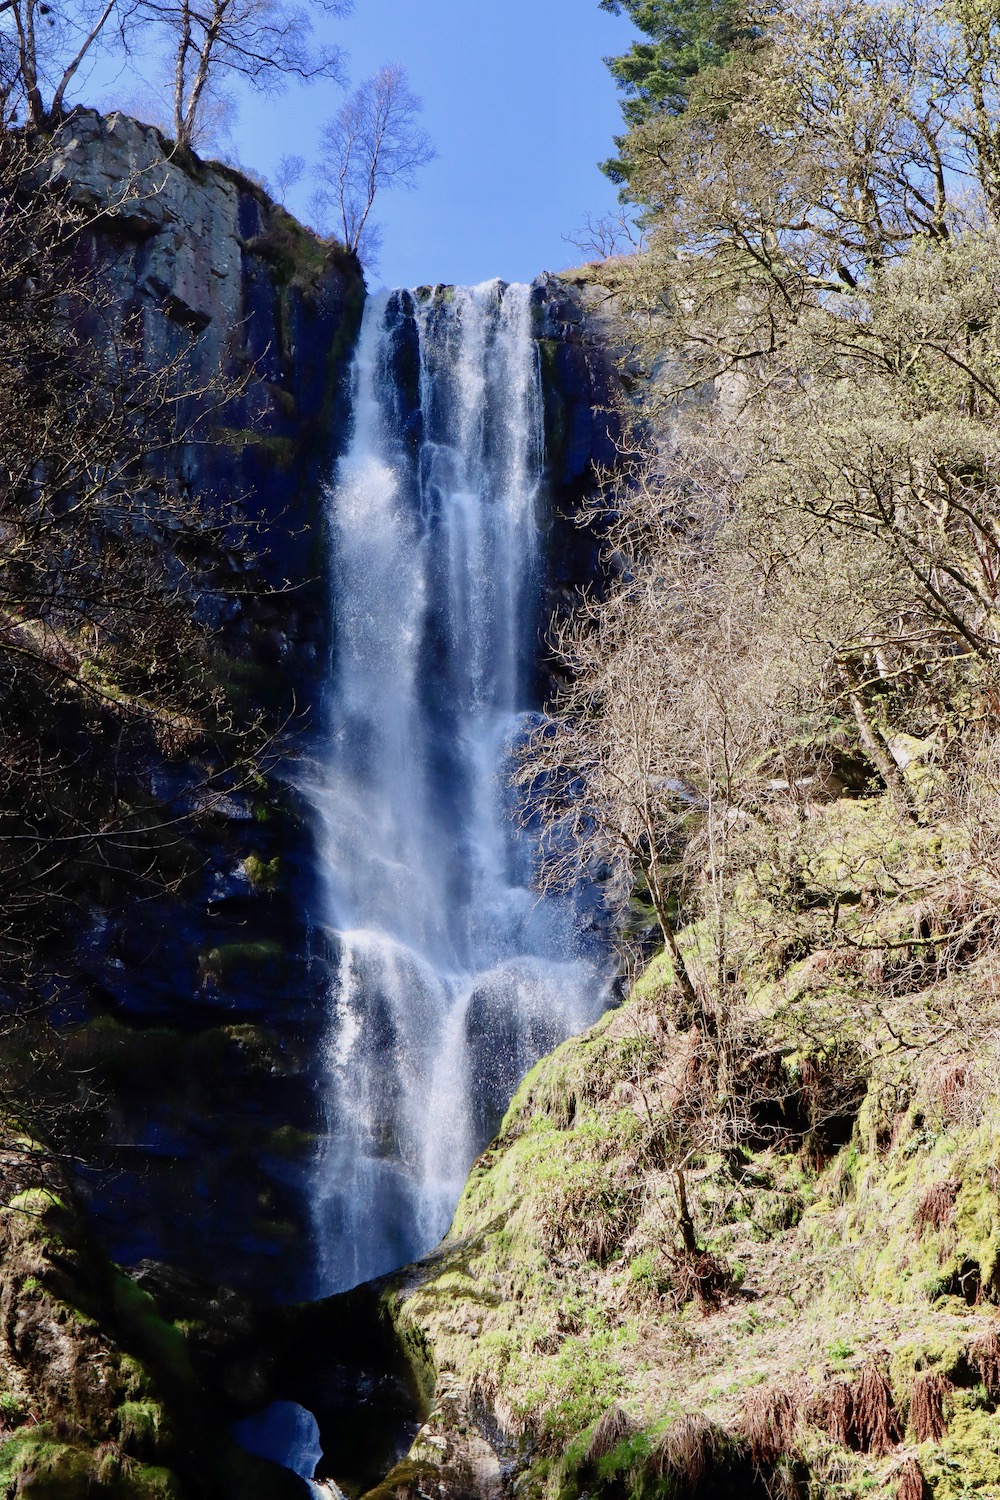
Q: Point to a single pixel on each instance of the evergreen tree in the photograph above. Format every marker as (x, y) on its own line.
(655, 76)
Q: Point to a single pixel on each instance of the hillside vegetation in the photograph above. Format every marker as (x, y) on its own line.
(743, 1235)
(778, 1267)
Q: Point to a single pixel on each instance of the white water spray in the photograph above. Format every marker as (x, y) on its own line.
(453, 977)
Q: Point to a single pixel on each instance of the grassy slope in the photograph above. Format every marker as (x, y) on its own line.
(865, 957)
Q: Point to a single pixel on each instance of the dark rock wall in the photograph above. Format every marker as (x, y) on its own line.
(582, 394)
(198, 1013)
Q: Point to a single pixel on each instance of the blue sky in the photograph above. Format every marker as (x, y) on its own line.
(520, 108)
(517, 101)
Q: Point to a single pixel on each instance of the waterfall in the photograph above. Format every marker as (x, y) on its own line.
(452, 975)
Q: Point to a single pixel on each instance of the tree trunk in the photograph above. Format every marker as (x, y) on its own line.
(685, 1223)
(681, 976)
(206, 57)
(878, 750)
(24, 22)
(89, 40)
(180, 68)
(875, 745)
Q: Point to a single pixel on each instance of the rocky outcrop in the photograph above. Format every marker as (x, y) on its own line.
(99, 1391)
(187, 217)
(194, 255)
(580, 340)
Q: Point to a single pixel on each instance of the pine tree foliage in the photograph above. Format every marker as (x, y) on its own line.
(656, 76)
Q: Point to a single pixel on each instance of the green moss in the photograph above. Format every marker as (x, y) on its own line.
(298, 256)
(35, 1200)
(967, 1461)
(11, 1408)
(556, 433)
(656, 979)
(222, 962)
(409, 1477)
(290, 1142)
(554, 1294)
(574, 1386)
(140, 1424)
(34, 1462)
(281, 451)
(126, 1054)
(150, 1482)
(280, 1232)
(150, 1334)
(263, 875)
(942, 1350)
(443, 296)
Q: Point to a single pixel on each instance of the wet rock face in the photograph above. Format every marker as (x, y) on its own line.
(576, 335)
(581, 390)
(199, 1011)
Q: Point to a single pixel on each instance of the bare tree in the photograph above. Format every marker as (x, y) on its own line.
(674, 694)
(823, 243)
(263, 42)
(612, 235)
(43, 46)
(805, 575)
(373, 142)
(289, 172)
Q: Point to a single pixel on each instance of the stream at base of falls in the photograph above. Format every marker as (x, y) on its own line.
(452, 975)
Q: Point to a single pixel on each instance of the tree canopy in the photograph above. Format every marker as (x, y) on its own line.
(372, 143)
(805, 564)
(45, 43)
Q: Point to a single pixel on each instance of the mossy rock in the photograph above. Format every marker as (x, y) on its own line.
(967, 1461)
(38, 1464)
(157, 1341)
(298, 256)
(263, 874)
(291, 1143)
(142, 1426)
(229, 959)
(407, 1479)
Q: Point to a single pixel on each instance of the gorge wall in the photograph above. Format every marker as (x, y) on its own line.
(832, 1330)
(196, 1011)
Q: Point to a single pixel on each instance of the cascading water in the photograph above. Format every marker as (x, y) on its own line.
(453, 976)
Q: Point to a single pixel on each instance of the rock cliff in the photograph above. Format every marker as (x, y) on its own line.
(578, 342)
(197, 1012)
